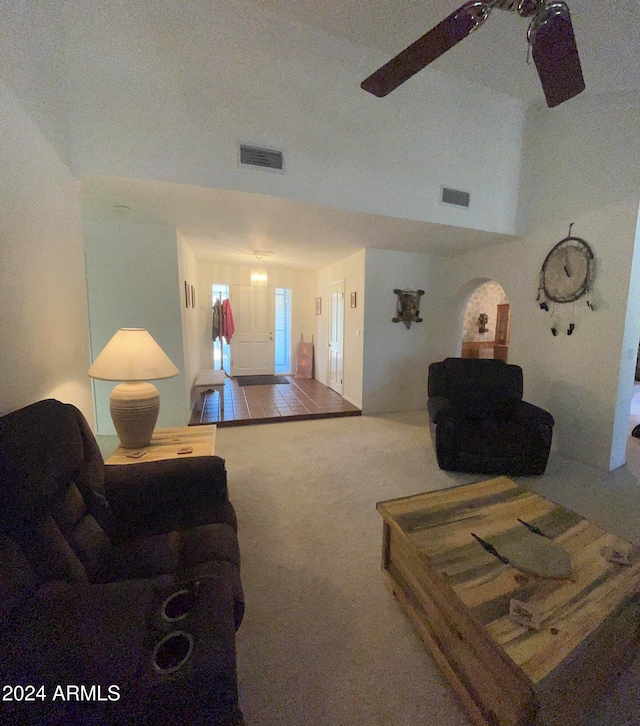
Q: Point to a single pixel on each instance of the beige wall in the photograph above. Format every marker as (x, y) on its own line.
(44, 333)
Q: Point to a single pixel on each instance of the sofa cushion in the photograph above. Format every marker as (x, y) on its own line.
(50, 555)
(17, 579)
(44, 437)
(24, 494)
(81, 530)
(176, 552)
(474, 387)
(44, 448)
(507, 409)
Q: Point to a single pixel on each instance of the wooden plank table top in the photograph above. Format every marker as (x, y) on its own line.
(167, 443)
(430, 551)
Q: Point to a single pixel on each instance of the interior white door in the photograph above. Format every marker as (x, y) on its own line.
(252, 345)
(336, 334)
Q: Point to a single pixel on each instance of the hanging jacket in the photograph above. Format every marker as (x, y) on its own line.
(216, 325)
(227, 328)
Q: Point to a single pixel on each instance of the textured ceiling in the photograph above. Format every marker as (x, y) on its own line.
(607, 34)
(229, 225)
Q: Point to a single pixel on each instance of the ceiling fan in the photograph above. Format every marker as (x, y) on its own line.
(550, 37)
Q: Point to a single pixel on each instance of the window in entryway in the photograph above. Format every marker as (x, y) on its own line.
(221, 351)
(283, 331)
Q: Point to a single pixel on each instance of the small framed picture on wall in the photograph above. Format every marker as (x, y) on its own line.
(318, 306)
(353, 300)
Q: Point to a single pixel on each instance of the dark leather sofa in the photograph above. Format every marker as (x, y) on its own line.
(479, 422)
(88, 556)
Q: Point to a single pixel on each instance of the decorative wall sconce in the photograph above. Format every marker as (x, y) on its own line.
(408, 306)
(483, 319)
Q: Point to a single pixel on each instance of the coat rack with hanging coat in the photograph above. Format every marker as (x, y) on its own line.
(566, 276)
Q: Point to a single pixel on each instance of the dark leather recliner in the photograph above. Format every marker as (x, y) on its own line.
(88, 556)
(479, 422)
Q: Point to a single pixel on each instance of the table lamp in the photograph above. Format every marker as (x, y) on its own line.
(134, 357)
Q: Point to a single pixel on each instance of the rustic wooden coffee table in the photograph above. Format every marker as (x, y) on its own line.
(458, 595)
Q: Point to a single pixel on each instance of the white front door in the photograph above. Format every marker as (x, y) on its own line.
(252, 346)
(336, 327)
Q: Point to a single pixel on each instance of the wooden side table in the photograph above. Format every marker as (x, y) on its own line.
(170, 444)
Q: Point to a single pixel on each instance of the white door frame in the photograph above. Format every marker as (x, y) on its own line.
(335, 361)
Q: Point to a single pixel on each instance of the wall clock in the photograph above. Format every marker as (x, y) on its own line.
(568, 270)
(567, 275)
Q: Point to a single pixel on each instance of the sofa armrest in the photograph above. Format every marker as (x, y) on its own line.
(153, 485)
(437, 406)
(535, 415)
(104, 635)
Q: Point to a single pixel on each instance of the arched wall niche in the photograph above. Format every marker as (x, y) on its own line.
(479, 296)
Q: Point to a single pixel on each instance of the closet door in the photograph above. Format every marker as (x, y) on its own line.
(252, 345)
(336, 335)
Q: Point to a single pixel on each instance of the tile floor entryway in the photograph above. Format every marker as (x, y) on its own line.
(300, 399)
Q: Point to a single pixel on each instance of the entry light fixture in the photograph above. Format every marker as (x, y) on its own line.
(133, 357)
(259, 277)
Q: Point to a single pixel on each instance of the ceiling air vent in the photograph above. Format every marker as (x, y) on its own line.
(265, 158)
(455, 197)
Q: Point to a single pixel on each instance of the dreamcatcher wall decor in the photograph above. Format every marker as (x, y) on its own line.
(566, 276)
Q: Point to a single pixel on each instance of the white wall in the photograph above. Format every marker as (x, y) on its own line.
(351, 270)
(33, 54)
(190, 316)
(133, 281)
(583, 167)
(395, 358)
(44, 334)
(131, 80)
(302, 284)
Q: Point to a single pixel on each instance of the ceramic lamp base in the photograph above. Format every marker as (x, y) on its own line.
(134, 409)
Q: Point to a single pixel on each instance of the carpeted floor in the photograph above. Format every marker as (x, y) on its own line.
(323, 642)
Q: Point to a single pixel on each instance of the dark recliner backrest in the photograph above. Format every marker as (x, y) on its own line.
(474, 384)
(52, 500)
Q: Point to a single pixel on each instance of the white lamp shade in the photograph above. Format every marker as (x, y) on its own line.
(132, 355)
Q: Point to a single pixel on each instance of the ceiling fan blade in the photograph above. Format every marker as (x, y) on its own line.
(426, 49)
(555, 55)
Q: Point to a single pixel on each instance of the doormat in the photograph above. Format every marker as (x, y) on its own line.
(261, 380)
